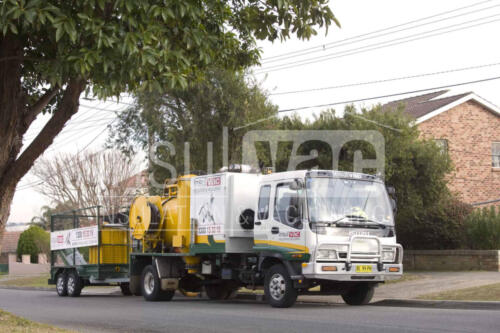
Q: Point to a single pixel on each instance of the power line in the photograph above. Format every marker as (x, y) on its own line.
(376, 46)
(339, 44)
(388, 95)
(385, 80)
(381, 30)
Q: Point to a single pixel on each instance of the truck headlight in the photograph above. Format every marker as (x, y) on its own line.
(329, 252)
(388, 254)
(326, 255)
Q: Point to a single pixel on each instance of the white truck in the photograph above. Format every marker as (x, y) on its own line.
(291, 233)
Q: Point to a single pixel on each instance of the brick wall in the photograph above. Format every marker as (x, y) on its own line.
(452, 260)
(470, 130)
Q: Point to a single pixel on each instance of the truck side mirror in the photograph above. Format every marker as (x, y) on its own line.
(391, 190)
(296, 185)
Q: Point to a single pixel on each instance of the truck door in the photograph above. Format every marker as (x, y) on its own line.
(286, 225)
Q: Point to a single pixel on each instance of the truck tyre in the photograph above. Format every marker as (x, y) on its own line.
(61, 286)
(135, 285)
(74, 284)
(125, 289)
(359, 295)
(151, 286)
(278, 287)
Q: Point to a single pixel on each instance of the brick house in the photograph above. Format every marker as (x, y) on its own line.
(467, 127)
(8, 245)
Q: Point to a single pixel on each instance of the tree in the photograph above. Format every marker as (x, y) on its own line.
(51, 51)
(87, 179)
(43, 219)
(195, 115)
(416, 168)
(33, 241)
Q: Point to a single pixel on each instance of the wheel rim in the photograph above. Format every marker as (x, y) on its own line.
(277, 286)
(71, 285)
(149, 283)
(60, 284)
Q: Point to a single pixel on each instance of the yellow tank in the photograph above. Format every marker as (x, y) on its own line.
(113, 249)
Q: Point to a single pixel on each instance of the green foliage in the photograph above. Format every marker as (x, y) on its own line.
(128, 45)
(483, 229)
(33, 241)
(196, 115)
(440, 226)
(415, 167)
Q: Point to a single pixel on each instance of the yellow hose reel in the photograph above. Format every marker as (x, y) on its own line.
(146, 217)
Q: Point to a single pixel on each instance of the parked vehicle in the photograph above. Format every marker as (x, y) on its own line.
(290, 233)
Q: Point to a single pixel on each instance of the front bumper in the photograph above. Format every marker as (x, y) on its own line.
(315, 270)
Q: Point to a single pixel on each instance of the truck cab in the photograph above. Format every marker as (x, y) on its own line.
(338, 225)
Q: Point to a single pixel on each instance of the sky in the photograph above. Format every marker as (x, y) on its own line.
(374, 43)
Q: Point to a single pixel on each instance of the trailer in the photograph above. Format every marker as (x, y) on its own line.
(291, 233)
(88, 247)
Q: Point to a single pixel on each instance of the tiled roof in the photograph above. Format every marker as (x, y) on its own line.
(9, 241)
(419, 106)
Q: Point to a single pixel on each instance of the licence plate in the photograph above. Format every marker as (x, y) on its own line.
(363, 268)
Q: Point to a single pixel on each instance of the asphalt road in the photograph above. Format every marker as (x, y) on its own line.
(111, 313)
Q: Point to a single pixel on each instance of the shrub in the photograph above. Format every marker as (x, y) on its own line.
(440, 227)
(33, 241)
(483, 229)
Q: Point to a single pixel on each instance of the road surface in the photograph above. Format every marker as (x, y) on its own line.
(113, 313)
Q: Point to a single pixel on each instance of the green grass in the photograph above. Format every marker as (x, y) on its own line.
(28, 281)
(490, 292)
(11, 323)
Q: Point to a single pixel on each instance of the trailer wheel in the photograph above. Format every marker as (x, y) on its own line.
(359, 295)
(125, 288)
(61, 284)
(278, 287)
(74, 284)
(151, 286)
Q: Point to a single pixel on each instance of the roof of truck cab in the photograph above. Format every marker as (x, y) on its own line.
(302, 174)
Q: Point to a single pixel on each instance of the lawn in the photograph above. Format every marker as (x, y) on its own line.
(490, 292)
(11, 323)
(29, 281)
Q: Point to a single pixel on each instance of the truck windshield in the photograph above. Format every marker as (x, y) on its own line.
(348, 201)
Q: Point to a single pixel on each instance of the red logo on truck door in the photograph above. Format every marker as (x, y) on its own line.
(294, 234)
(213, 181)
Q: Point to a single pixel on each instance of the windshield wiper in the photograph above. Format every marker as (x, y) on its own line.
(369, 224)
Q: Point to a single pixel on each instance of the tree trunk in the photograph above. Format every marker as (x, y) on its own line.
(16, 117)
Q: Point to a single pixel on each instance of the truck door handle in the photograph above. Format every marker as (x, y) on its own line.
(275, 230)
(258, 223)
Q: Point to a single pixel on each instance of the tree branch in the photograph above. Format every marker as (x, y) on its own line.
(36, 108)
(67, 108)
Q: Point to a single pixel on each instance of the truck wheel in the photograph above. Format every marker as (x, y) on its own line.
(74, 284)
(151, 286)
(278, 287)
(135, 285)
(359, 295)
(125, 288)
(61, 286)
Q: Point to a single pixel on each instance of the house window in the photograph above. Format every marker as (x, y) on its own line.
(442, 144)
(495, 154)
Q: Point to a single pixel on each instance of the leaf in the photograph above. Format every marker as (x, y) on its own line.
(59, 33)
